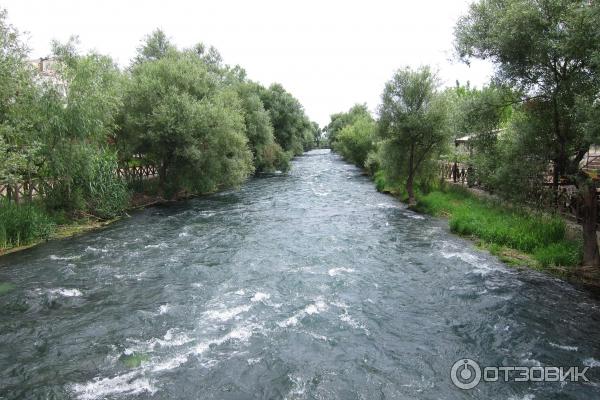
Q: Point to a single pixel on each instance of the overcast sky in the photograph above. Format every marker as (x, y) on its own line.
(329, 54)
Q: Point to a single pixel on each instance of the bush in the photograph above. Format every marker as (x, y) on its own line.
(380, 182)
(21, 224)
(92, 187)
(355, 141)
(107, 195)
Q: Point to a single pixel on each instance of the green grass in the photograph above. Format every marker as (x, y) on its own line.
(22, 224)
(542, 237)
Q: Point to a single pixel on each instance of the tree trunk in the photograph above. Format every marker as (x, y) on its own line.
(411, 177)
(410, 189)
(589, 218)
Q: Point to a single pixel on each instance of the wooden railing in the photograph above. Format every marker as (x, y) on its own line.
(27, 191)
(138, 173)
(565, 200)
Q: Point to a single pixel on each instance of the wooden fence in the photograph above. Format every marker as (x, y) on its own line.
(27, 191)
(565, 201)
(138, 173)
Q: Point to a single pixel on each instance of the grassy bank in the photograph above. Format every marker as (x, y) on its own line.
(25, 225)
(516, 235)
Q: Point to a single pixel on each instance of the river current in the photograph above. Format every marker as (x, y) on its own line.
(307, 285)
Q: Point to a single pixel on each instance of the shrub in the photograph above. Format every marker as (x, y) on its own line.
(21, 224)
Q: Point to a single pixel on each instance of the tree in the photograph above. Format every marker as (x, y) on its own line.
(356, 140)
(185, 121)
(412, 119)
(484, 115)
(19, 147)
(76, 122)
(547, 51)
(268, 155)
(288, 119)
(339, 120)
(156, 46)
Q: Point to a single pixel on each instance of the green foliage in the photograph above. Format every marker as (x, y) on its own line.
(340, 120)
(355, 141)
(545, 50)
(380, 181)
(21, 224)
(80, 124)
(106, 194)
(19, 148)
(412, 124)
(293, 131)
(268, 155)
(188, 124)
(155, 46)
(542, 236)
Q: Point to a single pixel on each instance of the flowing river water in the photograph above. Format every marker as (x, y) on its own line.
(307, 285)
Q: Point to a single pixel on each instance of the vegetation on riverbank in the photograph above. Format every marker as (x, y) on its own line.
(533, 124)
(498, 226)
(69, 128)
(518, 236)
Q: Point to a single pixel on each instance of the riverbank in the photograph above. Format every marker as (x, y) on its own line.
(64, 231)
(68, 228)
(518, 237)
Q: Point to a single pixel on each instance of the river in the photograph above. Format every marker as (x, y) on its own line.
(307, 285)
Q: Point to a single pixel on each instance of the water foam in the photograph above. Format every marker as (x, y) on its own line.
(567, 348)
(59, 258)
(338, 271)
(591, 362)
(91, 249)
(129, 384)
(259, 296)
(161, 246)
(227, 313)
(163, 309)
(315, 308)
(240, 333)
(66, 292)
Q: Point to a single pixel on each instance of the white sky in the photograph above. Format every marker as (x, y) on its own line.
(330, 54)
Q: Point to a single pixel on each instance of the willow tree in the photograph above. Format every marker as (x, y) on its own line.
(289, 121)
(180, 116)
(19, 147)
(546, 50)
(412, 124)
(268, 155)
(77, 115)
